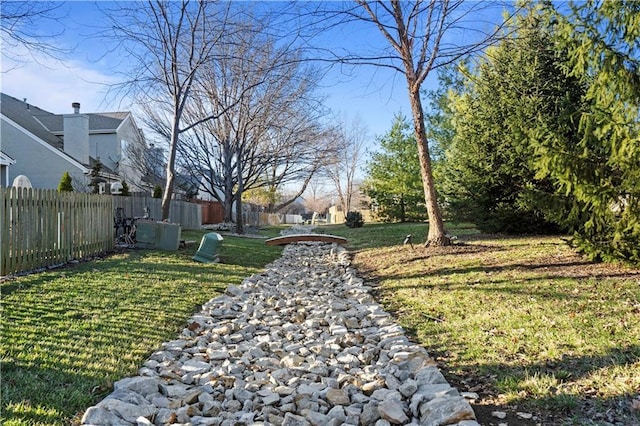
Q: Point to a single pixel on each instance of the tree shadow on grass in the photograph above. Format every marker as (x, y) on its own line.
(551, 388)
(68, 335)
(36, 395)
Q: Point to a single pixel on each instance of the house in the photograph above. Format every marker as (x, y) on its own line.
(42, 146)
(5, 162)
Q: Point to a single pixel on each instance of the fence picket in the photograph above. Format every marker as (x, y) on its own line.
(41, 228)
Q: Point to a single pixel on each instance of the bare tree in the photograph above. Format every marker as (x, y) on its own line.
(33, 26)
(301, 148)
(148, 161)
(421, 36)
(168, 44)
(267, 133)
(342, 171)
(316, 198)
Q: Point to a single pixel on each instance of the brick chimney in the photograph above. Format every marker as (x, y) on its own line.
(76, 134)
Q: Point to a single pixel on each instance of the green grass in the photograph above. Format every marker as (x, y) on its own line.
(377, 235)
(524, 320)
(68, 334)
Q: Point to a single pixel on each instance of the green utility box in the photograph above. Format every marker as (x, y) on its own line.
(146, 234)
(209, 248)
(158, 235)
(168, 236)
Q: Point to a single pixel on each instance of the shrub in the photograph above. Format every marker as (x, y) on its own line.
(157, 192)
(354, 220)
(125, 189)
(65, 183)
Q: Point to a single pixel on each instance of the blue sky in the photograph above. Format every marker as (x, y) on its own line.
(371, 94)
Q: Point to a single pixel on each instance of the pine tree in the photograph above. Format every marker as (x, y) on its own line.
(65, 184)
(393, 180)
(601, 168)
(125, 189)
(94, 184)
(490, 175)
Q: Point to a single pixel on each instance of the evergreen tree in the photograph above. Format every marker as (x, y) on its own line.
(65, 184)
(125, 189)
(94, 184)
(393, 181)
(157, 191)
(601, 168)
(490, 177)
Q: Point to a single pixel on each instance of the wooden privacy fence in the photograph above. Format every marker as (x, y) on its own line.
(40, 228)
(188, 215)
(212, 211)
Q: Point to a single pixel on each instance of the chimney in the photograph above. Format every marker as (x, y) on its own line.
(76, 134)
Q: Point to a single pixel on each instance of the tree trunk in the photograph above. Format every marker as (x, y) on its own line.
(239, 218)
(228, 184)
(437, 235)
(228, 208)
(168, 189)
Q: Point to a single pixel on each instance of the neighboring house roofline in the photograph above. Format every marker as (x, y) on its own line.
(6, 160)
(128, 116)
(91, 132)
(46, 145)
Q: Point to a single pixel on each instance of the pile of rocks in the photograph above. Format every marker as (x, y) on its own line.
(303, 343)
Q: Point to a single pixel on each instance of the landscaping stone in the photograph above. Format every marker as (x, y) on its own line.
(301, 343)
(499, 414)
(445, 411)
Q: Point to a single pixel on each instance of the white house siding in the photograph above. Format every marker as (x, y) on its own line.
(106, 148)
(128, 132)
(27, 151)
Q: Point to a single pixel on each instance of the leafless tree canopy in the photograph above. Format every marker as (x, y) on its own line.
(351, 140)
(165, 46)
(31, 27)
(417, 37)
(267, 133)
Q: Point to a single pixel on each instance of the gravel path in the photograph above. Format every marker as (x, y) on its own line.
(302, 343)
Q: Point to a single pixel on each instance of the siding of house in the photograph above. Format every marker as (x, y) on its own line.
(105, 147)
(129, 133)
(36, 159)
(4, 171)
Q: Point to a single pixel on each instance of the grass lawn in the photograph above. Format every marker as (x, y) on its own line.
(524, 322)
(68, 334)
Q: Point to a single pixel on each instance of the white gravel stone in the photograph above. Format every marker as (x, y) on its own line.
(392, 411)
(301, 343)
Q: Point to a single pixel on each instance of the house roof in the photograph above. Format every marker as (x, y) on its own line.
(24, 114)
(49, 126)
(105, 122)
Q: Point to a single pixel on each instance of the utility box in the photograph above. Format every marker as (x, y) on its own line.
(168, 236)
(158, 235)
(209, 248)
(146, 234)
